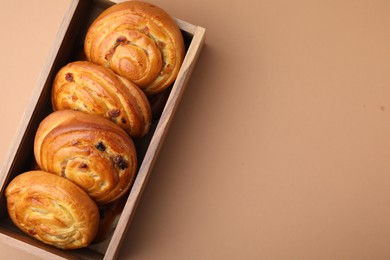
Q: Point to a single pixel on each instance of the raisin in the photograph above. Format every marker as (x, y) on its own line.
(100, 146)
(114, 113)
(121, 40)
(69, 77)
(120, 162)
(83, 166)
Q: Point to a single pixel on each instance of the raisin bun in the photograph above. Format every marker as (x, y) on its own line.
(138, 41)
(89, 150)
(87, 87)
(52, 209)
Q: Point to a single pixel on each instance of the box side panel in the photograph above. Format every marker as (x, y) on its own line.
(192, 54)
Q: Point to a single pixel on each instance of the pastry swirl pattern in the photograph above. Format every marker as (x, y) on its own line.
(52, 209)
(87, 87)
(138, 41)
(89, 150)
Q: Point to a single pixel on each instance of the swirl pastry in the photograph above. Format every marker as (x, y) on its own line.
(87, 87)
(52, 209)
(89, 150)
(138, 41)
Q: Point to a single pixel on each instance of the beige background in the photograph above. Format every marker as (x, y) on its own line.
(280, 147)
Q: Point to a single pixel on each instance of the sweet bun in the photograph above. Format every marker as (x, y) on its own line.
(87, 87)
(138, 41)
(89, 150)
(52, 209)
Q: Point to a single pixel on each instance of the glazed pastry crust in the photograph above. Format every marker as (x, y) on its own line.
(52, 209)
(89, 150)
(138, 41)
(87, 87)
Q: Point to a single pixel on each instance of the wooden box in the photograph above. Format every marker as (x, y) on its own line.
(68, 43)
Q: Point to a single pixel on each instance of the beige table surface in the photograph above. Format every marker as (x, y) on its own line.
(280, 148)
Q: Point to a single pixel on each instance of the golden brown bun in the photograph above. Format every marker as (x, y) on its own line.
(89, 150)
(87, 87)
(52, 209)
(138, 41)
